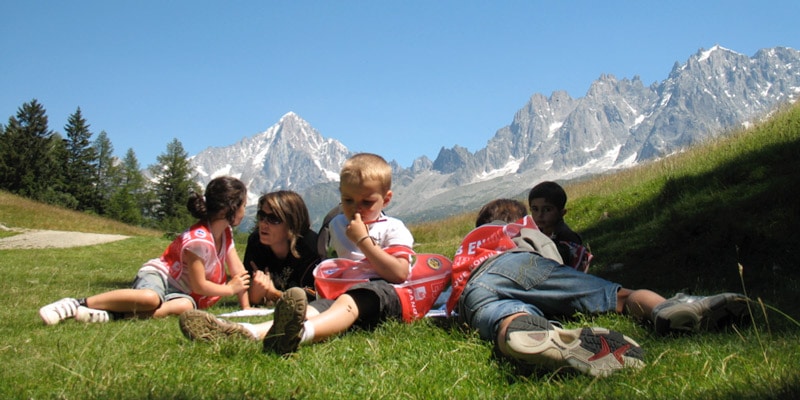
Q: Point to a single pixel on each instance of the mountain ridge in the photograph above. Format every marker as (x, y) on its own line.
(618, 123)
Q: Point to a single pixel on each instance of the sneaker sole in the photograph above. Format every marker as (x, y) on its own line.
(599, 352)
(284, 336)
(202, 326)
(723, 310)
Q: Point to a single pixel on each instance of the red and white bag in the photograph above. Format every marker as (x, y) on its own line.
(430, 275)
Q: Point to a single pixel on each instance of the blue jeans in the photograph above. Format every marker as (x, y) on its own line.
(522, 282)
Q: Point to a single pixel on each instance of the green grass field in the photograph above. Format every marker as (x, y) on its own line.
(720, 217)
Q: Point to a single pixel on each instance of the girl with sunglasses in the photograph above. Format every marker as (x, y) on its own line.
(282, 250)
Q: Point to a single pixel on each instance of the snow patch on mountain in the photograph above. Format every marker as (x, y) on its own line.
(509, 168)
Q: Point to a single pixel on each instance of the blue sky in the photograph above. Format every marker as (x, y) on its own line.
(401, 79)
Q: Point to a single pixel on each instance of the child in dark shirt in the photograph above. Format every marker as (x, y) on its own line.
(282, 250)
(547, 202)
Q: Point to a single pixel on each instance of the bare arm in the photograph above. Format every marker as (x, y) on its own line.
(236, 268)
(199, 284)
(391, 268)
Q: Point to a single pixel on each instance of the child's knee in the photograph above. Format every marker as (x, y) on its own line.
(149, 299)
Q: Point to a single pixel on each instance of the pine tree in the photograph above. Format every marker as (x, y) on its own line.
(81, 162)
(129, 200)
(5, 169)
(108, 175)
(174, 183)
(56, 190)
(32, 156)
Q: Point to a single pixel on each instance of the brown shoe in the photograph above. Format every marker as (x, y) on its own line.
(204, 326)
(287, 327)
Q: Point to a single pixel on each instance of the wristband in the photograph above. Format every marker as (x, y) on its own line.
(358, 242)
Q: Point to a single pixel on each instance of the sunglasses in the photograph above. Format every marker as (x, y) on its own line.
(270, 218)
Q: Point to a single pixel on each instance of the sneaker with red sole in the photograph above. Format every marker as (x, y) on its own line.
(594, 351)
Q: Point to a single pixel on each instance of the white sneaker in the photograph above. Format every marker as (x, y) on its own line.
(91, 315)
(54, 313)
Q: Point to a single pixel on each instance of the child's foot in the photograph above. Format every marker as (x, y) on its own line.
(290, 311)
(91, 315)
(54, 313)
(696, 313)
(204, 326)
(594, 351)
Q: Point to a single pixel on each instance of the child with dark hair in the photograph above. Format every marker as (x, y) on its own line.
(547, 202)
(191, 273)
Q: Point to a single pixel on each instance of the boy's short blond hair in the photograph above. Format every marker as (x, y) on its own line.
(366, 167)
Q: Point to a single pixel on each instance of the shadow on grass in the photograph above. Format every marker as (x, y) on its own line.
(695, 233)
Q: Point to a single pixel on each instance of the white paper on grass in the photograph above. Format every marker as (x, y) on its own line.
(253, 312)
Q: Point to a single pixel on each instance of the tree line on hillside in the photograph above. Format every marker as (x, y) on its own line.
(76, 172)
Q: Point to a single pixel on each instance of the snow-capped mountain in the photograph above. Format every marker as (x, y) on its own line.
(289, 155)
(617, 124)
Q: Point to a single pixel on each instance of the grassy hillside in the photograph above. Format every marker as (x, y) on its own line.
(683, 223)
(19, 212)
(689, 221)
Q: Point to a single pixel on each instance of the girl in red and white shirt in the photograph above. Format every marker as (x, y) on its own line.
(191, 273)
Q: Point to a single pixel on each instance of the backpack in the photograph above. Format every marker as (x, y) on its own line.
(430, 275)
(324, 235)
(536, 241)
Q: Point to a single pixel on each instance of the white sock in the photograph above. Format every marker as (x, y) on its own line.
(308, 332)
(250, 328)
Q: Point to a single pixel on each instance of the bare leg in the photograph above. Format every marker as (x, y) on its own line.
(135, 301)
(262, 328)
(639, 303)
(173, 307)
(342, 314)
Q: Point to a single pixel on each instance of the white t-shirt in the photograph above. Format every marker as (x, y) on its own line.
(387, 232)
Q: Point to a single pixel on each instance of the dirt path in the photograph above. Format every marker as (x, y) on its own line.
(37, 239)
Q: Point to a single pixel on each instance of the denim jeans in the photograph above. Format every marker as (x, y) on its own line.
(516, 282)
